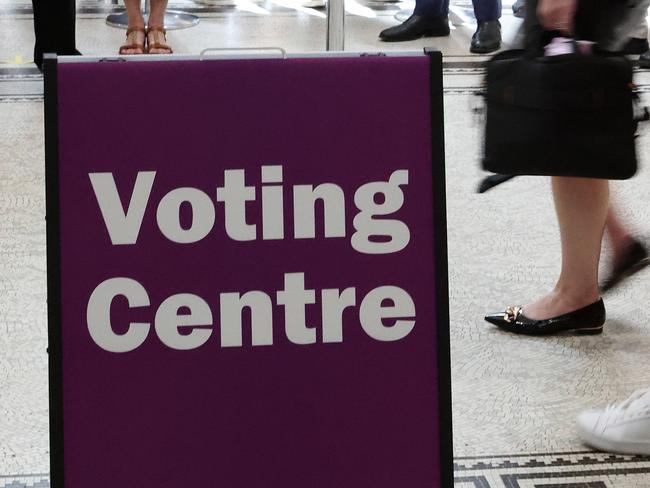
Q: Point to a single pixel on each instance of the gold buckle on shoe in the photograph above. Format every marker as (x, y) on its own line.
(512, 313)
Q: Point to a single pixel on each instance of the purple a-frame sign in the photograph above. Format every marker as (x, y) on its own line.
(247, 273)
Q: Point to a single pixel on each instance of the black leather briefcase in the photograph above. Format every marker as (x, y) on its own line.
(566, 115)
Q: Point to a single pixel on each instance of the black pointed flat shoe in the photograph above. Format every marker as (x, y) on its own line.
(635, 259)
(587, 320)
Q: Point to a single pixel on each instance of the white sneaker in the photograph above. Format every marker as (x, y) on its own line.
(621, 427)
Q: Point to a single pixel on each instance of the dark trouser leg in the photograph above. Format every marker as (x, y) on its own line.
(432, 9)
(54, 27)
(533, 29)
(487, 9)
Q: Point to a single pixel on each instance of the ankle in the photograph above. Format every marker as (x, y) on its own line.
(156, 22)
(572, 297)
(136, 26)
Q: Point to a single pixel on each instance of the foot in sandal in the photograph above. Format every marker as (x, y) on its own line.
(157, 42)
(135, 39)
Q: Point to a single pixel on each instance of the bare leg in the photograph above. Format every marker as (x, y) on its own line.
(157, 14)
(581, 205)
(136, 21)
(157, 19)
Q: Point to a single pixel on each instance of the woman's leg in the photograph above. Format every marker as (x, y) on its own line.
(136, 21)
(157, 20)
(581, 205)
(157, 14)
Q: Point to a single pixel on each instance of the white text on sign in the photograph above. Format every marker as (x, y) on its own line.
(124, 226)
(185, 321)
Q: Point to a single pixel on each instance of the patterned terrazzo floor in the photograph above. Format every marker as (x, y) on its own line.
(515, 399)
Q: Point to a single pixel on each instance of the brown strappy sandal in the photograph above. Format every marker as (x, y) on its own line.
(133, 45)
(158, 45)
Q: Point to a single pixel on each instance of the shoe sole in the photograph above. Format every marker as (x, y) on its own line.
(589, 331)
(487, 50)
(634, 448)
(632, 270)
(594, 331)
(426, 34)
(578, 331)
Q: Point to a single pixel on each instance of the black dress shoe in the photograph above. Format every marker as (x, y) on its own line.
(634, 260)
(636, 45)
(644, 60)
(587, 320)
(487, 37)
(415, 27)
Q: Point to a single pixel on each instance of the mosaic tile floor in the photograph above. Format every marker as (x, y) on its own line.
(515, 399)
(568, 470)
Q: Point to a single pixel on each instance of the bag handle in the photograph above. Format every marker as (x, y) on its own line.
(545, 38)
